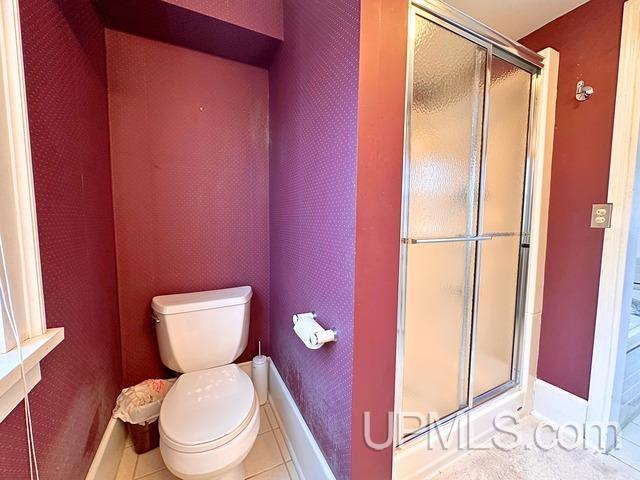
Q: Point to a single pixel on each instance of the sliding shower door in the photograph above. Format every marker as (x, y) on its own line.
(502, 220)
(464, 248)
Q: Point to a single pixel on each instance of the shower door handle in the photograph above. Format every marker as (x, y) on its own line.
(418, 241)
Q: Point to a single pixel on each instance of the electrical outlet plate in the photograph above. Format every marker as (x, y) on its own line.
(601, 215)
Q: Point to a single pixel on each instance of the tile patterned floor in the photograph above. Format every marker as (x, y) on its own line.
(629, 441)
(268, 460)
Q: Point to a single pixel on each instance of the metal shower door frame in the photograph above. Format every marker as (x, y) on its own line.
(495, 45)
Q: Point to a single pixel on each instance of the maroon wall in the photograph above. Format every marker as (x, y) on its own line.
(588, 39)
(67, 100)
(189, 152)
(381, 93)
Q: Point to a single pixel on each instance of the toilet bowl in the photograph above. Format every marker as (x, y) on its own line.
(208, 424)
(210, 418)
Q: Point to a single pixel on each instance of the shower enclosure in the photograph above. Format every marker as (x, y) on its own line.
(466, 211)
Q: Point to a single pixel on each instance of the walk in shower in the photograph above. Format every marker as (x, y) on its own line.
(466, 215)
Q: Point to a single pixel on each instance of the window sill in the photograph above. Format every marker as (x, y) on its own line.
(33, 351)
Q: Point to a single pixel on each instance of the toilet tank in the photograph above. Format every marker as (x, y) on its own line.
(202, 330)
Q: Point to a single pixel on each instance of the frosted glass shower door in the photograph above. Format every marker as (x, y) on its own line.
(465, 201)
(442, 187)
(502, 203)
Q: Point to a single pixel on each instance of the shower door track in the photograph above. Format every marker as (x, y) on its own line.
(456, 22)
(479, 400)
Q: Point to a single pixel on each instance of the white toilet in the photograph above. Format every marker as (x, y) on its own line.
(210, 418)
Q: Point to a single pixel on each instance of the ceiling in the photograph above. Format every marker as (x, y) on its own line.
(515, 18)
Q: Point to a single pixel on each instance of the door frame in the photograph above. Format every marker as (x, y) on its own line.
(619, 248)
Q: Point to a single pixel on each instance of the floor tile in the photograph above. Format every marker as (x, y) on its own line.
(265, 426)
(148, 463)
(246, 368)
(160, 475)
(292, 471)
(127, 464)
(278, 473)
(264, 455)
(631, 433)
(266, 461)
(271, 415)
(282, 444)
(628, 453)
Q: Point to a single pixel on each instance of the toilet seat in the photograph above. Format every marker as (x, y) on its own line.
(207, 409)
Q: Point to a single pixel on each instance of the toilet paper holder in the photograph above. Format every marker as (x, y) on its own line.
(312, 334)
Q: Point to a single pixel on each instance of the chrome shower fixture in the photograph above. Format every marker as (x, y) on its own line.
(583, 92)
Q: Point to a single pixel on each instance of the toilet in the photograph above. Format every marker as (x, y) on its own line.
(210, 418)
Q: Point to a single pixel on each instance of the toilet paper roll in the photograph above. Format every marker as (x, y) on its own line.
(310, 331)
(320, 338)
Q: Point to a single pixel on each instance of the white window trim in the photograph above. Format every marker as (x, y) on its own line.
(33, 351)
(619, 248)
(15, 146)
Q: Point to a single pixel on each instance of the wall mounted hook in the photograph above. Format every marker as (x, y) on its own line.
(583, 92)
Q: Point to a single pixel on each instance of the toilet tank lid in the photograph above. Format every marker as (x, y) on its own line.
(190, 302)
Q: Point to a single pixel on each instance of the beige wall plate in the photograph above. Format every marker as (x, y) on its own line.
(601, 215)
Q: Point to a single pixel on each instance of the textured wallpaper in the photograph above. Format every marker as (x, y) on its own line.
(243, 30)
(579, 177)
(200, 202)
(67, 100)
(264, 16)
(190, 160)
(313, 115)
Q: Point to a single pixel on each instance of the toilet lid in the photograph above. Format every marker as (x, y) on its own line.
(207, 408)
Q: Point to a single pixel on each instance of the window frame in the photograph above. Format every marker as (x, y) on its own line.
(16, 151)
(19, 225)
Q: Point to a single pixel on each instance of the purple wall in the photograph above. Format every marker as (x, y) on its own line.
(313, 118)
(67, 100)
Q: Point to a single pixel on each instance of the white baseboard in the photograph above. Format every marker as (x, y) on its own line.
(305, 452)
(107, 458)
(556, 406)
